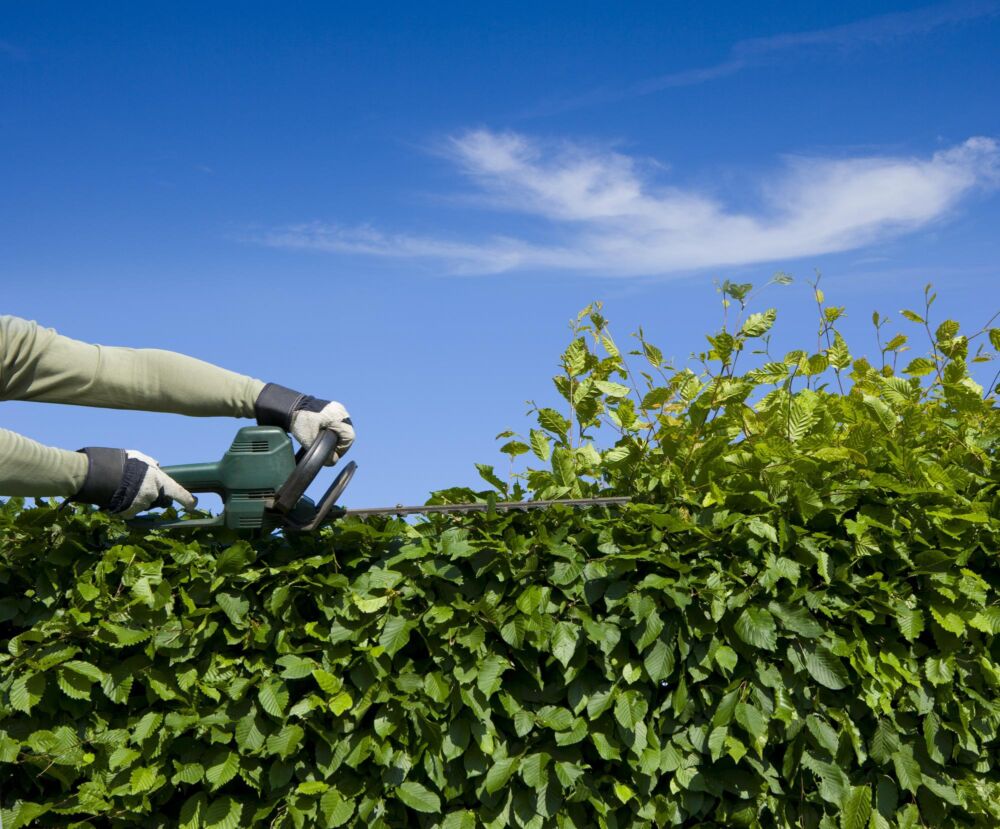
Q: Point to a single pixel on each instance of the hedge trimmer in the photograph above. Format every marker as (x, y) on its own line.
(262, 483)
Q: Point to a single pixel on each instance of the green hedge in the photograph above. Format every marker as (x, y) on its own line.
(794, 625)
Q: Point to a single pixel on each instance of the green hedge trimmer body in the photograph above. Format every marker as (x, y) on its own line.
(262, 483)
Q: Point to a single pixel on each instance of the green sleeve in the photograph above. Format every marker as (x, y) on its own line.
(29, 468)
(38, 364)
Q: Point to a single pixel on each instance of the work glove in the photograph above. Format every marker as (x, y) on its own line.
(126, 482)
(305, 417)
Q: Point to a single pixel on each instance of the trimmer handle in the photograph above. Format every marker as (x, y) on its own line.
(308, 467)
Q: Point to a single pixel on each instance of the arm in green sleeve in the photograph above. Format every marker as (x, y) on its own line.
(29, 468)
(36, 363)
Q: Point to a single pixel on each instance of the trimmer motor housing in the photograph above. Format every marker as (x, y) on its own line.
(262, 483)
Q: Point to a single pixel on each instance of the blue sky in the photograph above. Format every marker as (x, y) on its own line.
(400, 205)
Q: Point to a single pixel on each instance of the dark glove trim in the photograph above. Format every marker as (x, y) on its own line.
(132, 476)
(276, 404)
(311, 404)
(104, 475)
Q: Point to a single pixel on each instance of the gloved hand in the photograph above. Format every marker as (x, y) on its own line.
(126, 482)
(304, 417)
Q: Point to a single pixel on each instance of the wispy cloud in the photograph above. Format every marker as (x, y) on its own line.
(763, 50)
(601, 212)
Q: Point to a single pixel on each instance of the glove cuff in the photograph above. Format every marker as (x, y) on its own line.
(104, 475)
(276, 404)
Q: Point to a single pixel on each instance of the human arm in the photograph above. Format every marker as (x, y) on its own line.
(31, 469)
(39, 364)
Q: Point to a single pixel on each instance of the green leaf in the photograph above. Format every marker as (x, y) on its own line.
(141, 779)
(554, 422)
(909, 817)
(540, 445)
(121, 636)
(834, 785)
(600, 702)
(949, 620)
(839, 354)
(944, 791)
(122, 756)
(752, 720)
(224, 813)
(490, 672)
(85, 669)
(630, 709)
(26, 691)
(273, 696)
(612, 389)
(758, 324)
(796, 619)
(335, 808)
(563, 467)
(73, 685)
(370, 604)
(564, 640)
(286, 741)
(487, 473)
(222, 768)
(500, 772)
(463, 819)
(341, 703)
(326, 681)
(189, 773)
(907, 769)
(825, 736)
(148, 724)
(938, 671)
(826, 668)
(418, 797)
(919, 367)
(295, 667)
(987, 620)
(726, 658)
(513, 448)
(192, 811)
(680, 697)
(554, 717)
(717, 741)
(533, 770)
(659, 661)
(395, 634)
(234, 607)
(755, 626)
(932, 741)
(885, 741)
(857, 809)
(911, 622)
(249, 736)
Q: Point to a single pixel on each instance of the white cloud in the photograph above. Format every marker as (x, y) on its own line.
(601, 212)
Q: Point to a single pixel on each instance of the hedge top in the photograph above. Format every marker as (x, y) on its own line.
(794, 625)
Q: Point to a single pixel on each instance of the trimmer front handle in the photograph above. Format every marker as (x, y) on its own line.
(288, 500)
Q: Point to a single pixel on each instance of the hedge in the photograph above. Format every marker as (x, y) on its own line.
(794, 624)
